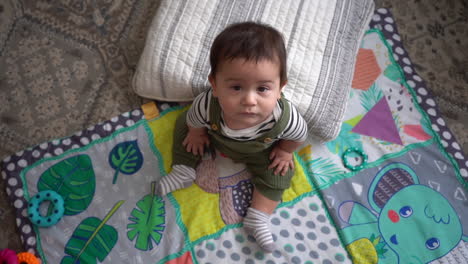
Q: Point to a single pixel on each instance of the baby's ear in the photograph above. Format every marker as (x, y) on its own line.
(282, 85)
(211, 79)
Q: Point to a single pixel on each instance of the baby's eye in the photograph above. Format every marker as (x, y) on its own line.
(262, 89)
(236, 87)
(406, 211)
(432, 243)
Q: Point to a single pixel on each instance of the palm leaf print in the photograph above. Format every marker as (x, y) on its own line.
(147, 221)
(92, 240)
(370, 97)
(324, 170)
(345, 140)
(125, 157)
(73, 178)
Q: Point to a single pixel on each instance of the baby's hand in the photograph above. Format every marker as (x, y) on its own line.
(282, 160)
(196, 140)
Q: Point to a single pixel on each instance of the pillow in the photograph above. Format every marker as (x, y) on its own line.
(321, 37)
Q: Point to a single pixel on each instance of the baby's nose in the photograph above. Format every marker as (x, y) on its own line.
(249, 99)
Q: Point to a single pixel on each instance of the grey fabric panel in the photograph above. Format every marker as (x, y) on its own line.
(336, 74)
(228, 12)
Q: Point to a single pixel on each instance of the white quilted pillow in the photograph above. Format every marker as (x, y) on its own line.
(321, 36)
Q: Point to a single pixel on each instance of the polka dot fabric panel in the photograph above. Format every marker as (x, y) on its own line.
(302, 234)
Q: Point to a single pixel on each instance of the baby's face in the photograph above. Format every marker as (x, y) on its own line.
(247, 91)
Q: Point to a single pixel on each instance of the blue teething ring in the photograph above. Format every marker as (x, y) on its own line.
(360, 153)
(56, 202)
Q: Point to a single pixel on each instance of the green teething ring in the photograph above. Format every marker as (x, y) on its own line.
(360, 153)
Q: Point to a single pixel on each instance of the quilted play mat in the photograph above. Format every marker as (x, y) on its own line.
(392, 188)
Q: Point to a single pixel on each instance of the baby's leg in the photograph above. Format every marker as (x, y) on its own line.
(182, 174)
(257, 220)
(180, 177)
(268, 192)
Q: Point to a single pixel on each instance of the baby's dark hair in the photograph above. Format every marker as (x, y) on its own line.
(249, 41)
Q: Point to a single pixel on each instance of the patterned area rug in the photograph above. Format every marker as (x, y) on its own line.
(66, 65)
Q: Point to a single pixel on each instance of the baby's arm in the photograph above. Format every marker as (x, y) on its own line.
(196, 140)
(292, 138)
(282, 155)
(197, 122)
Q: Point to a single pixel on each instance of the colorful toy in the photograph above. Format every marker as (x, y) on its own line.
(8, 256)
(28, 258)
(360, 153)
(56, 210)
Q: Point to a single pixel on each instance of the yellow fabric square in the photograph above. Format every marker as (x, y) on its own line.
(299, 183)
(163, 131)
(199, 211)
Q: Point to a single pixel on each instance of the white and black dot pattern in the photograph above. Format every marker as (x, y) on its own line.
(302, 234)
(12, 166)
(384, 21)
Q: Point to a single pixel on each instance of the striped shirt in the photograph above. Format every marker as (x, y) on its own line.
(296, 129)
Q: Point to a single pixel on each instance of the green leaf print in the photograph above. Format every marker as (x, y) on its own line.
(345, 140)
(92, 240)
(370, 97)
(73, 178)
(148, 221)
(125, 157)
(324, 170)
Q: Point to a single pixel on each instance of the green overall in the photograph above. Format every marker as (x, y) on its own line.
(254, 153)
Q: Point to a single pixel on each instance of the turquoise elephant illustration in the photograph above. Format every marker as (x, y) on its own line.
(407, 222)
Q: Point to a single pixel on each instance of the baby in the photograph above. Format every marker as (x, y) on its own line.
(245, 117)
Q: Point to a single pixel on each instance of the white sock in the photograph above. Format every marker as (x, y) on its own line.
(180, 177)
(256, 222)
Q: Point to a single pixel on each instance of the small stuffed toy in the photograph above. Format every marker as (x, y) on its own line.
(28, 258)
(8, 256)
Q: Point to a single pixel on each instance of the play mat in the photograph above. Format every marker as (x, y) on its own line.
(406, 202)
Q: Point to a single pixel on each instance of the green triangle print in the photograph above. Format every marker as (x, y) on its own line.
(379, 123)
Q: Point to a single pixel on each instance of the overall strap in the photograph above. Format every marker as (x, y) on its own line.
(215, 113)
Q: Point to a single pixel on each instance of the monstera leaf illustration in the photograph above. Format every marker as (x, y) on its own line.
(125, 157)
(147, 221)
(74, 179)
(91, 240)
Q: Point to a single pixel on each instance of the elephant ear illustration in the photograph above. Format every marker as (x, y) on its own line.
(388, 181)
(73, 178)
